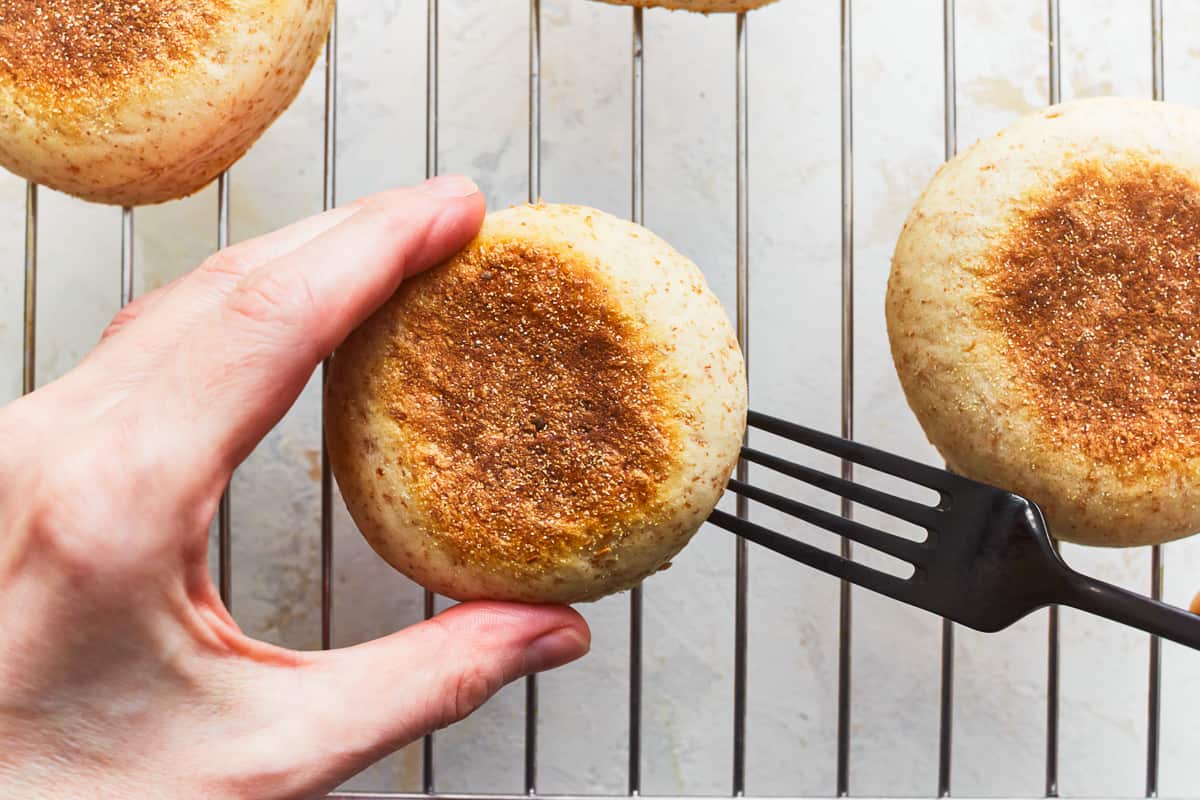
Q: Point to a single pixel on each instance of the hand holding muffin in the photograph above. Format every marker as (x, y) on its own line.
(121, 672)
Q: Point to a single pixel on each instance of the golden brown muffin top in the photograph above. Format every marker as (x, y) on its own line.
(1096, 288)
(534, 409)
(69, 47)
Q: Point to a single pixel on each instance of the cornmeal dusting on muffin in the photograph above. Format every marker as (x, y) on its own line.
(532, 411)
(91, 52)
(1096, 288)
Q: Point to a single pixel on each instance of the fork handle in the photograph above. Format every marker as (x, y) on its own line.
(1115, 603)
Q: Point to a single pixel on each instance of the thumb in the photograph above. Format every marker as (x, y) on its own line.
(365, 702)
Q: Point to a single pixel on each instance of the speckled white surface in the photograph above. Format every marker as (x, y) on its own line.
(795, 262)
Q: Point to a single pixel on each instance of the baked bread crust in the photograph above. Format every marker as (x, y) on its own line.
(138, 103)
(1044, 317)
(548, 417)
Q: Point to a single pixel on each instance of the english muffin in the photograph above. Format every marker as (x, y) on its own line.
(139, 102)
(1044, 317)
(548, 417)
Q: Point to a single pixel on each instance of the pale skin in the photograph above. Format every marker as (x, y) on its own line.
(121, 672)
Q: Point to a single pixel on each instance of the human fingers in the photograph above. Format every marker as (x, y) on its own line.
(364, 702)
(245, 361)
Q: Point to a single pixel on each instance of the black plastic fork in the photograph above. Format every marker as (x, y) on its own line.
(987, 561)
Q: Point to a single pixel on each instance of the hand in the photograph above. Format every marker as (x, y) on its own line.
(121, 673)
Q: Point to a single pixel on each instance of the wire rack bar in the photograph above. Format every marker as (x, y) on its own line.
(411, 796)
(126, 256)
(535, 194)
(431, 169)
(1156, 48)
(950, 133)
(431, 89)
(29, 341)
(427, 775)
(328, 201)
(637, 212)
(1054, 42)
(535, 100)
(1154, 702)
(741, 615)
(224, 511)
(1052, 702)
(847, 399)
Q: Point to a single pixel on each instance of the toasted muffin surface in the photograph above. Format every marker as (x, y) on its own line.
(1042, 311)
(135, 103)
(532, 420)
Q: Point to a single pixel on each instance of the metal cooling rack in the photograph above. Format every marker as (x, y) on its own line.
(738, 755)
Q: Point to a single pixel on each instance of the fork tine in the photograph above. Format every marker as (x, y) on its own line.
(897, 588)
(907, 510)
(907, 469)
(904, 549)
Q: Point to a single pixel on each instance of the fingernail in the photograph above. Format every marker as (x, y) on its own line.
(555, 649)
(450, 186)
